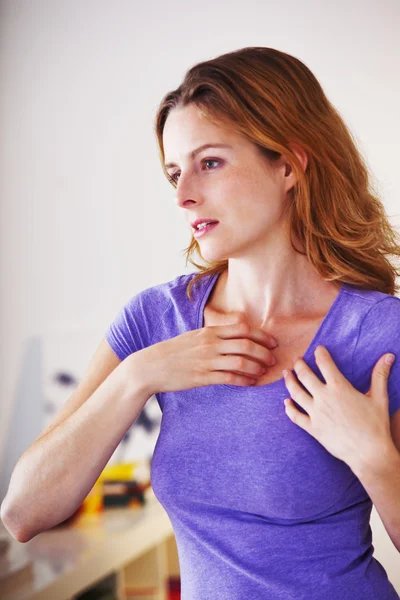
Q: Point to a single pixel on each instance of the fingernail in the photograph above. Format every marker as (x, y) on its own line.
(274, 343)
(389, 359)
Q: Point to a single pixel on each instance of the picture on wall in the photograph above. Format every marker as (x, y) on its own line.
(66, 356)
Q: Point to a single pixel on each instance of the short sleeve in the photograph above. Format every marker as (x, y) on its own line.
(379, 333)
(133, 327)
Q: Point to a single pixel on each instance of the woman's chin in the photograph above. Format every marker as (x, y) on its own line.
(213, 257)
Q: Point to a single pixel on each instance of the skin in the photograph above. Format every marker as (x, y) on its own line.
(266, 279)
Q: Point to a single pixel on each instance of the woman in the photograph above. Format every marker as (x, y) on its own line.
(260, 508)
(266, 501)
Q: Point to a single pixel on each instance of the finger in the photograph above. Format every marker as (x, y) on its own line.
(307, 377)
(247, 349)
(238, 364)
(245, 330)
(327, 366)
(297, 417)
(380, 375)
(301, 396)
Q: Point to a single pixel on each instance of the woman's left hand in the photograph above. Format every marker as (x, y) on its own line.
(350, 425)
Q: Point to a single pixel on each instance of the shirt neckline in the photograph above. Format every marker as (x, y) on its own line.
(308, 354)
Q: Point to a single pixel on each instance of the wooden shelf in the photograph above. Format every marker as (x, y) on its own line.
(137, 545)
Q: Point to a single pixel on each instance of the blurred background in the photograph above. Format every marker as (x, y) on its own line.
(87, 217)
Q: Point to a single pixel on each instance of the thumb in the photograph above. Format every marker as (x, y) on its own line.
(380, 375)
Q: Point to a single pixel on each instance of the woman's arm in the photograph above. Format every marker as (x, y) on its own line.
(380, 477)
(55, 474)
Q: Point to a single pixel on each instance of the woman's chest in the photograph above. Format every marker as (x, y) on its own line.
(293, 339)
(239, 450)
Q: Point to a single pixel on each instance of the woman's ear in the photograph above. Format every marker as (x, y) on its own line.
(300, 153)
(289, 172)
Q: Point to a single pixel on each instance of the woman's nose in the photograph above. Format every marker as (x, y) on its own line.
(186, 193)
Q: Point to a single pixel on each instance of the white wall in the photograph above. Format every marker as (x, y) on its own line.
(87, 218)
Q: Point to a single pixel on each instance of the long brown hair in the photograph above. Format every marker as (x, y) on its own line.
(273, 99)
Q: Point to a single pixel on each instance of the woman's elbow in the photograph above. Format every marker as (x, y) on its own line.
(10, 517)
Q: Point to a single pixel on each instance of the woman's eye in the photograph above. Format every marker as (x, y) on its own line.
(173, 178)
(208, 160)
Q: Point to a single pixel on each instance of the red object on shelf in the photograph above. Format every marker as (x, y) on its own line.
(174, 588)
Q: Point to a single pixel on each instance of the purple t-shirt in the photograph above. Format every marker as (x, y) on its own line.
(260, 509)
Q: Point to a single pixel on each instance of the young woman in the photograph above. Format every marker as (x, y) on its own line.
(281, 420)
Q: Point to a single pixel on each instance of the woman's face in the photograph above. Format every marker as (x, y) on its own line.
(233, 185)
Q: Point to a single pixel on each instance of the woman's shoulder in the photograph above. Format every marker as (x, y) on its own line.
(376, 332)
(372, 303)
(153, 313)
(163, 291)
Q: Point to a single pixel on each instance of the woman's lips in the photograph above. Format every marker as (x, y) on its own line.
(203, 230)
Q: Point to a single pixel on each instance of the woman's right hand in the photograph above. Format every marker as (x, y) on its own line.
(235, 354)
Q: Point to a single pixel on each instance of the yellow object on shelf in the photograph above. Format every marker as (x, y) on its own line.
(93, 503)
(122, 471)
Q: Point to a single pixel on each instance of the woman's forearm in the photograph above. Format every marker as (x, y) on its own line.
(55, 474)
(380, 476)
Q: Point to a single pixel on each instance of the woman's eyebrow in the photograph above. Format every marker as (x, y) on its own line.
(193, 153)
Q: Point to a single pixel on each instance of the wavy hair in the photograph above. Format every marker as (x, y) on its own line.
(273, 99)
